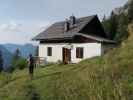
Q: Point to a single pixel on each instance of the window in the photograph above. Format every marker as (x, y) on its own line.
(49, 51)
(79, 52)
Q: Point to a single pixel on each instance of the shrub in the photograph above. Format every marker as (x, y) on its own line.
(21, 63)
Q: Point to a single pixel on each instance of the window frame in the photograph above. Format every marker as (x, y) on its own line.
(80, 52)
(49, 51)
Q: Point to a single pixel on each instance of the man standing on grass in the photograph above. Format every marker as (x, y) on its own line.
(31, 65)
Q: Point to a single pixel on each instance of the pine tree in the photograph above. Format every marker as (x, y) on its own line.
(106, 25)
(113, 25)
(122, 28)
(1, 61)
(16, 58)
(104, 18)
(130, 11)
(17, 54)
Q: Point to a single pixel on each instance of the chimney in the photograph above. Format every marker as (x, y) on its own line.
(67, 25)
(72, 20)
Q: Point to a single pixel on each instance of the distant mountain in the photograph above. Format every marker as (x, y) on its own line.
(7, 56)
(24, 49)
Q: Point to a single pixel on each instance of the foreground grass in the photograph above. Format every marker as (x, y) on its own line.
(102, 78)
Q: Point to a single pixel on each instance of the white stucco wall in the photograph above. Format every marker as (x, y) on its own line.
(90, 50)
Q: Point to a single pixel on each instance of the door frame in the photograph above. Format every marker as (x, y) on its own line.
(66, 55)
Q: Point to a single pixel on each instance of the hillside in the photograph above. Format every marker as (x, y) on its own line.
(102, 78)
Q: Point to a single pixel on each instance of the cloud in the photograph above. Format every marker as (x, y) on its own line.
(10, 37)
(10, 27)
(21, 32)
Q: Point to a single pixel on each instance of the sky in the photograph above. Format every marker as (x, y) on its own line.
(21, 20)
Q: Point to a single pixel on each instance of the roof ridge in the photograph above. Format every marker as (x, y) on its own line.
(78, 18)
(87, 16)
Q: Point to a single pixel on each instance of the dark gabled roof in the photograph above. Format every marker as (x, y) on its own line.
(56, 31)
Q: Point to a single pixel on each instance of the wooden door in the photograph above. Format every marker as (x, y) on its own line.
(66, 53)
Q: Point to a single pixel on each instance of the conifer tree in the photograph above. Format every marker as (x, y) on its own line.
(130, 11)
(113, 25)
(17, 54)
(16, 57)
(106, 25)
(122, 28)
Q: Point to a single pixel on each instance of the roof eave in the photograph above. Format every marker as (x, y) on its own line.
(52, 39)
(97, 38)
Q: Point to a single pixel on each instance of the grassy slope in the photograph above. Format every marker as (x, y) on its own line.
(102, 78)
